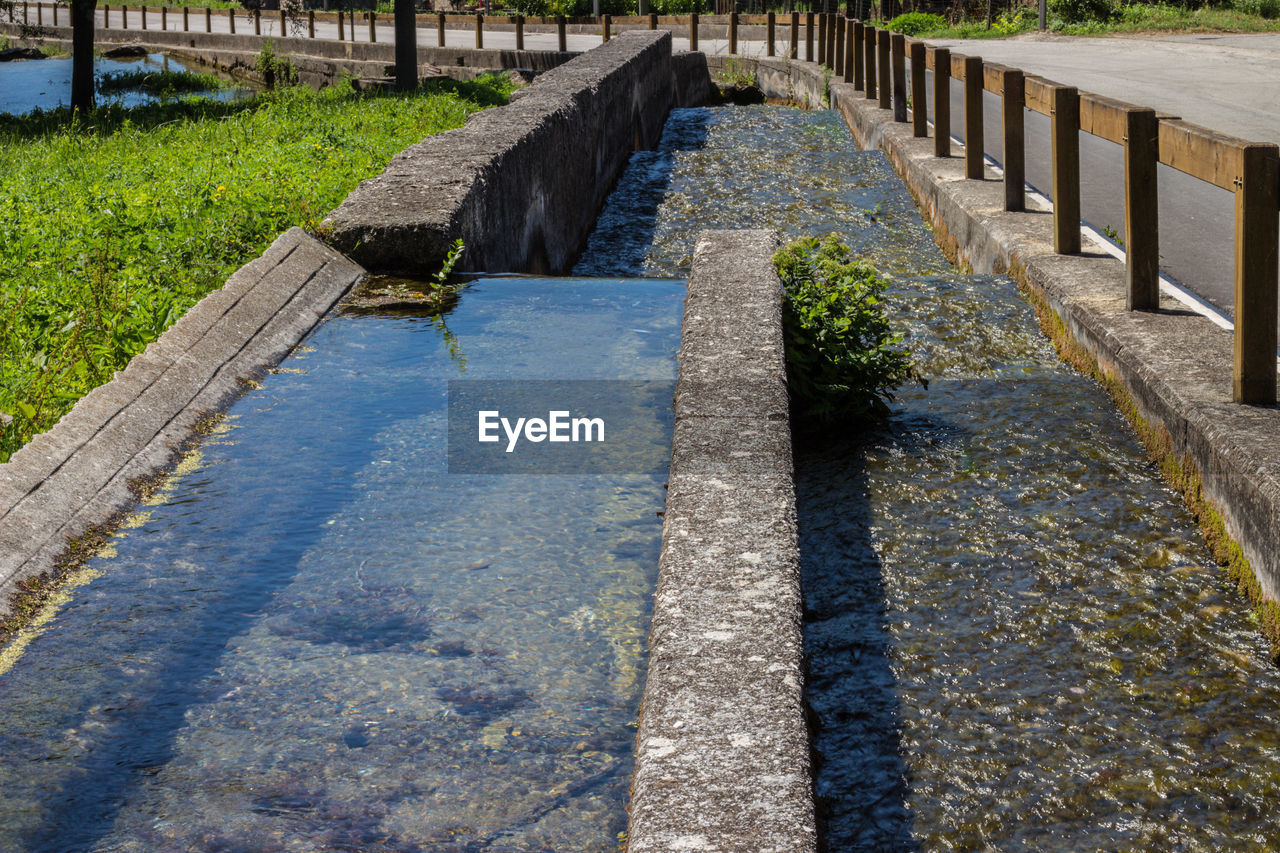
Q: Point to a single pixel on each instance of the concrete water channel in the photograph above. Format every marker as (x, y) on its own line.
(1015, 636)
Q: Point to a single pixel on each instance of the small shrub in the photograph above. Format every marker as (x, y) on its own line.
(914, 23)
(843, 359)
(1262, 8)
(275, 70)
(1081, 11)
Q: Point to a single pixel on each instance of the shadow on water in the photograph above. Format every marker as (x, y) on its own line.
(863, 784)
(138, 735)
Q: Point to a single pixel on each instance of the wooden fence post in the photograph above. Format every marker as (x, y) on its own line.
(440, 29)
(693, 31)
(733, 33)
(822, 38)
(1141, 209)
(284, 22)
(919, 96)
(186, 19)
(561, 39)
(794, 51)
(143, 11)
(653, 20)
(311, 23)
(869, 59)
(831, 40)
(1064, 118)
(519, 32)
(208, 19)
(770, 29)
(897, 55)
(884, 62)
(859, 34)
(941, 102)
(373, 31)
(257, 22)
(973, 147)
(808, 37)
(1013, 100)
(606, 22)
(1254, 370)
(851, 66)
(838, 67)
(342, 27)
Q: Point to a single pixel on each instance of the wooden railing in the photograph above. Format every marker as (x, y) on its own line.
(1249, 170)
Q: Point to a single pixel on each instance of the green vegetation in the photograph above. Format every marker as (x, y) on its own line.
(843, 359)
(915, 23)
(161, 84)
(1097, 17)
(113, 225)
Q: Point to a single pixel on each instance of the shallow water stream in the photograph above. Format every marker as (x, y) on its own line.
(1017, 639)
(319, 638)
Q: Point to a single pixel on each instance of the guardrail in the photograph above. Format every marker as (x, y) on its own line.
(874, 64)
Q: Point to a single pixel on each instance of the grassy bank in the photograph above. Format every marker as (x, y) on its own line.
(1101, 17)
(111, 228)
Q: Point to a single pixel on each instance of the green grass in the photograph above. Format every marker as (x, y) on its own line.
(163, 84)
(113, 226)
(1131, 18)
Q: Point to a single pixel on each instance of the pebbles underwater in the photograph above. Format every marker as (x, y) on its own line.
(321, 639)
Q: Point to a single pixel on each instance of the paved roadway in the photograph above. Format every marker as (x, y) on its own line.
(1230, 83)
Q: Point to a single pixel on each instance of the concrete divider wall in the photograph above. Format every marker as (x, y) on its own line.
(722, 755)
(521, 184)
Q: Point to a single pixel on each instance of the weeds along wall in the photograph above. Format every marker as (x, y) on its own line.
(521, 184)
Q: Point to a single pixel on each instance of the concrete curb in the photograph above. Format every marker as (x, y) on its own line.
(1173, 364)
(722, 758)
(520, 184)
(77, 474)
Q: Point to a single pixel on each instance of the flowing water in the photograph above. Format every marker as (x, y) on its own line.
(1017, 639)
(318, 638)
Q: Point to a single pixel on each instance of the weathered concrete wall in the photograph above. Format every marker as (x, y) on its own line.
(521, 184)
(78, 473)
(1174, 365)
(319, 61)
(780, 78)
(722, 758)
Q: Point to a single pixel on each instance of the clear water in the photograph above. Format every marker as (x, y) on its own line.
(46, 83)
(1016, 638)
(319, 639)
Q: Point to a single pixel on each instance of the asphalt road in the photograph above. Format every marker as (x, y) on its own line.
(1228, 83)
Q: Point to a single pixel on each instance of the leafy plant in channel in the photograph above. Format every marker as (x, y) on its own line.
(844, 361)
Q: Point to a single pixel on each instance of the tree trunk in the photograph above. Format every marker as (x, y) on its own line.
(82, 54)
(406, 45)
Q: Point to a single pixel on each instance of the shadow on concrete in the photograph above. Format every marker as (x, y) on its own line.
(861, 780)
